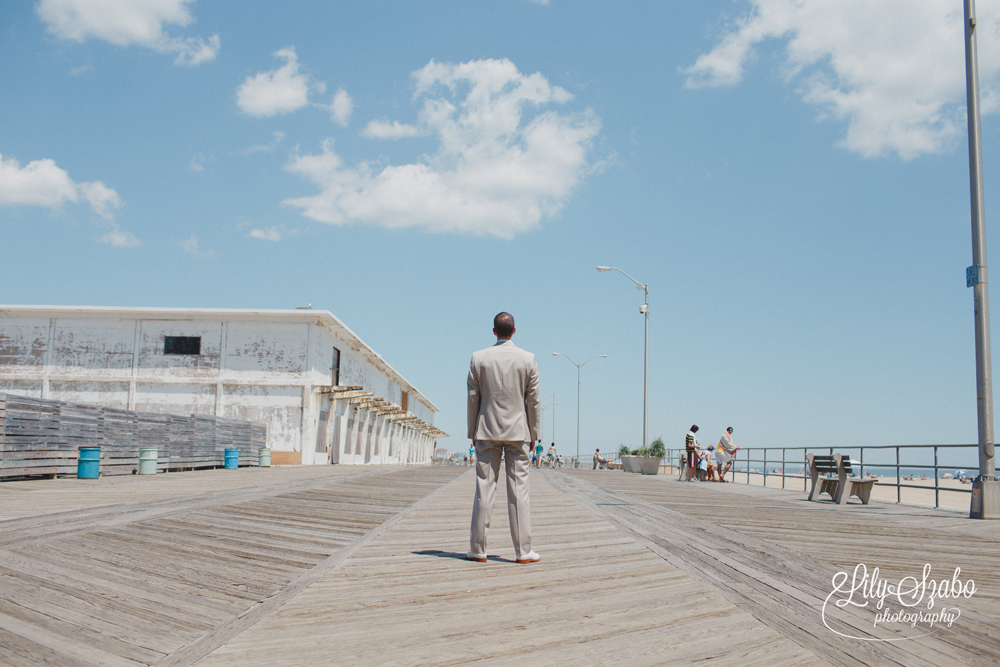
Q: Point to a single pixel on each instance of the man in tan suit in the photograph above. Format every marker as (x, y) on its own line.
(504, 413)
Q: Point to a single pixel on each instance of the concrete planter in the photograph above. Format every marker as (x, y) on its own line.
(630, 463)
(648, 465)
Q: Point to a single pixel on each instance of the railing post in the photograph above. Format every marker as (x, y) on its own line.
(899, 480)
(805, 469)
(765, 467)
(861, 463)
(782, 467)
(936, 491)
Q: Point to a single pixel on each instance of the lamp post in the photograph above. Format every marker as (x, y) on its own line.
(541, 422)
(554, 404)
(578, 367)
(644, 309)
(985, 489)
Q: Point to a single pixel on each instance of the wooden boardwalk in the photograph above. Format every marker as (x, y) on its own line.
(335, 565)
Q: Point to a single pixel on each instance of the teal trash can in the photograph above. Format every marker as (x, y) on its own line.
(147, 460)
(88, 466)
(265, 458)
(233, 458)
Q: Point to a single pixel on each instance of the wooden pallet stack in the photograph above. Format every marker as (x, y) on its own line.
(154, 431)
(258, 441)
(43, 437)
(119, 441)
(30, 442)
(206, 440)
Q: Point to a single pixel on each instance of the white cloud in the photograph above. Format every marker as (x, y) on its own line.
(120, 239)
(198, 162)
(341, 107)
(269, 234)
(43, 183)
(380, 129)
(266, 148)
(192, 248)
(278, 91)
(127, 23)
(893, 69)
(502, 164)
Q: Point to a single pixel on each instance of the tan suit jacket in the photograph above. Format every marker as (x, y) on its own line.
(504, 394)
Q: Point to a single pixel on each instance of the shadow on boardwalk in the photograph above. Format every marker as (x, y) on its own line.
(364, 566)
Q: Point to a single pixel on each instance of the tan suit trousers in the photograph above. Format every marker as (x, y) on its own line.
(516, 454)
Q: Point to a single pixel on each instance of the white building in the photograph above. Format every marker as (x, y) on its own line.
(325, 396)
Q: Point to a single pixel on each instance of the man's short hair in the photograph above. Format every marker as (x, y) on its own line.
(503, 325)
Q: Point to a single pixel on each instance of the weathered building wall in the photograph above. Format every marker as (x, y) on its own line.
(271, 367)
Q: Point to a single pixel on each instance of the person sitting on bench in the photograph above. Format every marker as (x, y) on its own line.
(599, 461)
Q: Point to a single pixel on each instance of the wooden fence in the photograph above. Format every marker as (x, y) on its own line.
(41, 437)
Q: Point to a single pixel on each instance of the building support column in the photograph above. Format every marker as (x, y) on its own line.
(134, 376)
(44, 393)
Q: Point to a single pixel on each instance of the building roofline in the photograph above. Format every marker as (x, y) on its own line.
(304, 315)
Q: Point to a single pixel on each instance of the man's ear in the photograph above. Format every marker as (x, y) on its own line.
(513, 331)
(494, 332)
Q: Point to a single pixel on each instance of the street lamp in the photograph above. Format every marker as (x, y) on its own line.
(578, 367)
(554, 404)
(644, 309)
(541, 422)
(985, 489)
(541, 431)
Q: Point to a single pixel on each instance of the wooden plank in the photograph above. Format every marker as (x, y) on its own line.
(597, 597)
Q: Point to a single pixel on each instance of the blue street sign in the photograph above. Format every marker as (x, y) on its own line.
(972, 275)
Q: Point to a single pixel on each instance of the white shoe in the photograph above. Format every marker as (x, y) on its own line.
(530, 557)
(479, 558)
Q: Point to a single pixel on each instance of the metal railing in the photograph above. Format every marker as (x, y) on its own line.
(771, 457)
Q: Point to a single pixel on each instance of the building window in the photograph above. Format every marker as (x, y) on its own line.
(182, 345)
(404, 401)
(336, 367)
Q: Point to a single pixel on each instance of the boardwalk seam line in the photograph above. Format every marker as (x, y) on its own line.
(647, 536)
(105, 517)
(201, 647)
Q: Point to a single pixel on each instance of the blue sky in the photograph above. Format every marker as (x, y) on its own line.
(790, 178)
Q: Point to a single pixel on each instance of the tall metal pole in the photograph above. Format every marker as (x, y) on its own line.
(644, 309)
(578, 410)
(986, 490)
(645, 376)
(541, 426)
(578, 367)
(553, 417)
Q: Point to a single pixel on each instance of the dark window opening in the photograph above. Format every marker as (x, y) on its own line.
(404, 401)
(336, 367)
(182, 345)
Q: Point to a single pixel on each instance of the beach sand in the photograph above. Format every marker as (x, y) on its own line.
(952, 500)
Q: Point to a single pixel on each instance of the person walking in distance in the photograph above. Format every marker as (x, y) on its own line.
(504, 411)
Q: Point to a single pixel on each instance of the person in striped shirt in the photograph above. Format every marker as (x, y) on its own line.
(691, 453)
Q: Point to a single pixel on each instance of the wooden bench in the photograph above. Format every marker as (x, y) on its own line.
(839, 465)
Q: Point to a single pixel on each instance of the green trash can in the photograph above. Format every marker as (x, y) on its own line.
(265, 458)
(147, 460)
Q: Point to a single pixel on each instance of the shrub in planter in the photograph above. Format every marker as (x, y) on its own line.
(649, 463)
